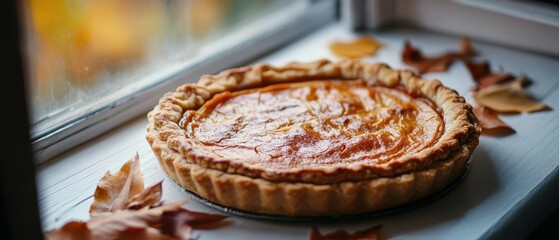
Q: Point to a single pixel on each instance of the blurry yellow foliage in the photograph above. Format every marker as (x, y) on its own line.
(77, 39)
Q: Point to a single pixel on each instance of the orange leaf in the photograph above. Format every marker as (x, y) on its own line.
(181, 222)
(71, 230)
(478, 70)
(490, 122)
(366, 234)
(414, 57)
(494, 78)
(122, 209)
(114, 190)
(148, 197)
(358, 48)
(467, 50)
(507, 97)
(109, 225)
(481, 73)
(144, 234)
(120, 224)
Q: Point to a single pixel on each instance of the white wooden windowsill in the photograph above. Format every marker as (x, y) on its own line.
(510, 189)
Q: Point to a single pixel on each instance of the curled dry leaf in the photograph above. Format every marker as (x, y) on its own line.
(110, 224)
(182, 222)
(414, 57)
(71, 230)
(499, 92)
(478, 70)
(358, 48)
(148, 197)
(144, 234)
(114, 190)
(366, 234)
(508, 97)
(482, 75)
(494, 78)
(467, 49)
(79, 231)
(117, 225)
(166, 221)
(121, 210)
(490, 122)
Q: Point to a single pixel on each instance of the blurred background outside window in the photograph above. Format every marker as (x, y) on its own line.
(84, 54)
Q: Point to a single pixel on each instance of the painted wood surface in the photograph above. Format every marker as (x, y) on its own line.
(512, 186)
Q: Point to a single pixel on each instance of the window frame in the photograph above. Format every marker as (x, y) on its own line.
(487, 20)
(56, 141)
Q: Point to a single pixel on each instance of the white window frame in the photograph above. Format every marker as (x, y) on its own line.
(487, 20)
(263, 39)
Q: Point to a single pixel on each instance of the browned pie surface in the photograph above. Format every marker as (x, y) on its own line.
(313, 124)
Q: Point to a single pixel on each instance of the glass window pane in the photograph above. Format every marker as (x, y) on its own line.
(85, 54)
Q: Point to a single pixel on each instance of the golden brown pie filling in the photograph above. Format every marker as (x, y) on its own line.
(313, 124)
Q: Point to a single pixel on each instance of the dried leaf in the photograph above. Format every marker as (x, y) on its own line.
(414, 57)
(182, 222)
(148, 197)
(71, 230)
(110, 225)
(114, 190)
(467, 49)
(120, 224)
(358, 48)
(366, 234)
(478, 70)
(481, 73)
(181, 231)
(490, 122)
(508, 97)
(500, 77)
(122, 209)
(144, 234)
(494, 78)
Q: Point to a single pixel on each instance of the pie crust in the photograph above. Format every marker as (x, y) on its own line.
(186, 131)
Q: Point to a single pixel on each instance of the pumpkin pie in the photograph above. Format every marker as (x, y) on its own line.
(319, 138)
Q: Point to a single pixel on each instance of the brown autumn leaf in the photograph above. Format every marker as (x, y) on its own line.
(148, 197)
(358, 48)
(508, 97)
(114, 190)
(109, 225)
(183, 221)
(494, 78)
(482, 75)
(145, 234)
(164, 221)
(144, 216)
(116, 224)
(467, 50)
(71, 230)
(371, 233)
(414, 57)
(478, 70)
(490, 122)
